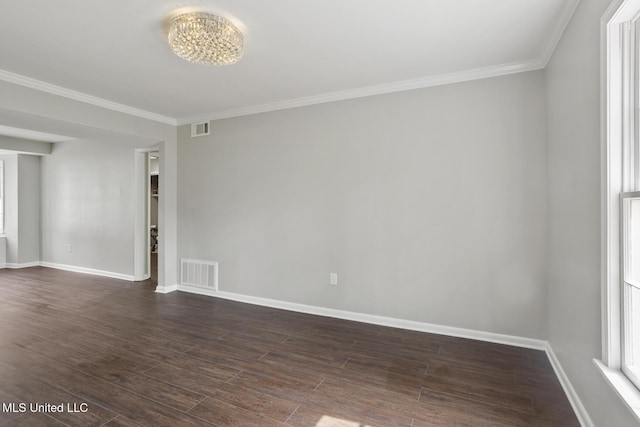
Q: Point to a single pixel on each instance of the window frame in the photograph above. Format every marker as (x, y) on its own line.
(2, 210)
(618, 126)
(620, 38)
(627, 366)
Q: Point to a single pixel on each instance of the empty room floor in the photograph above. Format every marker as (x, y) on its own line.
(113, 353)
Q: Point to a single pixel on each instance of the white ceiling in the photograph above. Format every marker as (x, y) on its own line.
(114, 53)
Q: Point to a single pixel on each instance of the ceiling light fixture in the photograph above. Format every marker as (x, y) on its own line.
(204, 38)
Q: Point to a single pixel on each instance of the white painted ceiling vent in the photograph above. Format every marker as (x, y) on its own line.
(200, 129)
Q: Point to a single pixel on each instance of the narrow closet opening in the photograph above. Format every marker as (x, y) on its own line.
(153, 215)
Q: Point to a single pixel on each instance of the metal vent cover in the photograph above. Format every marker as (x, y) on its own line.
(200, 129)
(200, 274)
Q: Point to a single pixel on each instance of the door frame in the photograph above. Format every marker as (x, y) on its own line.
(141, 220)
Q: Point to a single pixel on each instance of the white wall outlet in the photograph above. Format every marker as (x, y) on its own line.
(333, 279)
(69, 248)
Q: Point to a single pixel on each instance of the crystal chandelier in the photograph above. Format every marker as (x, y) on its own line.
(205, 39)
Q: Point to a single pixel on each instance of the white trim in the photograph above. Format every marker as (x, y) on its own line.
(561, 25)
(456, 77)
(166, 289)
(574, 399)
(622, 386)
(85, 270)
(199, 291)
(82, 97)
(617, 114)
(438, 80)
(141, 264)
(23, 265)
(612, 106)
(373, 319)
(572, 396)
(604, 181)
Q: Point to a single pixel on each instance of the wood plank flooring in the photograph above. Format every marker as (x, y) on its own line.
(134, 357)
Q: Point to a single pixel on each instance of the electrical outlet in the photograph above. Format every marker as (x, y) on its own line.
(333, 279)
(69, 248)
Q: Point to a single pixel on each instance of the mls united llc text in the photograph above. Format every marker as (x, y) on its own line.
(44, 407)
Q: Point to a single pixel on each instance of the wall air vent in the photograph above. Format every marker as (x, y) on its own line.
(199, 274)
(199, 129)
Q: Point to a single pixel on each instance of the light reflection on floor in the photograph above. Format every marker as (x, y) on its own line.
(328, 421)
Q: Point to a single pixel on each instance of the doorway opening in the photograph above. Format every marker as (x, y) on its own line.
(148, 263)
(154, 232)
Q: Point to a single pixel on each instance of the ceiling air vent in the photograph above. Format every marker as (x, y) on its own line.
(199, 129)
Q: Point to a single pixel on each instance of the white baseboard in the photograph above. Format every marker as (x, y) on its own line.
(23, 265)
(576, 403)
(87, 271)
(166, 289)
(373, 319)
(578, 407)
(199, 291)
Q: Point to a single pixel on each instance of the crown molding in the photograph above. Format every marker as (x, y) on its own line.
(562, 22)
(438, 80)
(405, 85)
(480, 73)
(83, 97)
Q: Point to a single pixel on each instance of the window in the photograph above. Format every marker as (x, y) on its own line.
(1, 197)
(630, 258)
(621, 201)
(628, 227)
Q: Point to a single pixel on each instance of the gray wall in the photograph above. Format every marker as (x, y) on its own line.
(24, 145)
(88, 203)
(573, 109)
(22, 207)
(429, 204)
(11, 205)
(26, 108)
(29, 208)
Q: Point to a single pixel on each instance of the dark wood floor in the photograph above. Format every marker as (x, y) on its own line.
(139, 358)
